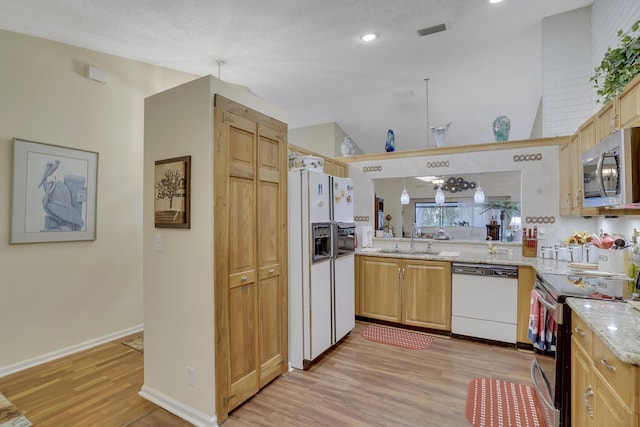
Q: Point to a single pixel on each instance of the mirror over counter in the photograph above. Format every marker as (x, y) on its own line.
(461, 216)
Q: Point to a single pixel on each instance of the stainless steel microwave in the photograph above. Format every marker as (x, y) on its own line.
(611, 171)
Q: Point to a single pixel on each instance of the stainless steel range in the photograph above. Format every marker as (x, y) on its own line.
(551, 367)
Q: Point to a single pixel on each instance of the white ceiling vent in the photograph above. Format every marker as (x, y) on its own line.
(432, 30)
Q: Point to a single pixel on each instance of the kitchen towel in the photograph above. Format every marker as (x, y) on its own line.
(542, 329)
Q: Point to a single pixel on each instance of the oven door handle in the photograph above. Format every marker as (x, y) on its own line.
(553, 307)
(548, 305)
(552, 410)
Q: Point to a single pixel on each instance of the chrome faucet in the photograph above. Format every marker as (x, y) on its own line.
(414, 233)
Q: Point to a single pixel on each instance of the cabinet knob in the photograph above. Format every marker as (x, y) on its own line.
(603, 362)
(271, 271)
(587, 396)
(243, 278)
(579, 331)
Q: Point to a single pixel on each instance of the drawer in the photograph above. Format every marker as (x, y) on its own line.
(582, 333)
(622, 377)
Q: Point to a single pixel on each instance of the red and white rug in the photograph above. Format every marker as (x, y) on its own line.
(397, 337)
(496, 403)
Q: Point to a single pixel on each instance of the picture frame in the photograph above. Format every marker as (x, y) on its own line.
(54, 193)
(172, 193)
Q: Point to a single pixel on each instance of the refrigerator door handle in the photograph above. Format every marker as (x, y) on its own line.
(334, 240)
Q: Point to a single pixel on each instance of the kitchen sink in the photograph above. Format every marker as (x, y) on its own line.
(408, 252)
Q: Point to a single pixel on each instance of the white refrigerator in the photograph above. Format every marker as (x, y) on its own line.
(321, 283)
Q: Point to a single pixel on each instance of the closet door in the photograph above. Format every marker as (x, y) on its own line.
(243, 288)
(250, 252)
(270, 222)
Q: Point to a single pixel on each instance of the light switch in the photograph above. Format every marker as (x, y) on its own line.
(157, 242)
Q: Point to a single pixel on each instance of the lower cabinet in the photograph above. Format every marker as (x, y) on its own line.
(603, 389)
(406, 291)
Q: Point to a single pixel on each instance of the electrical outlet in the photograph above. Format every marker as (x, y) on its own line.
(191, 376)
(157, 242)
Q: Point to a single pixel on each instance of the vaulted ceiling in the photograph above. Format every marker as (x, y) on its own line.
(306, 56)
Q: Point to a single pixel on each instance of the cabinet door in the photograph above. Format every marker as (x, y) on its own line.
(270, 216)
(243, 291)
(426, 294)
(607, 120)
(526, 278)
(582, 388)
(379, 290)
(610, 411)
(585, 141)
(630, 104)
(564, 185)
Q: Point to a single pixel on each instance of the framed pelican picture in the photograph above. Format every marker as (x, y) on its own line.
(54, 193)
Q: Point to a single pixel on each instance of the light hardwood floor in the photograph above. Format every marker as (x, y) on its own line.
(358, 383)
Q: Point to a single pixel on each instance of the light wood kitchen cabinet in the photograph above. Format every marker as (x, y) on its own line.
(604, 390)
(379, 288)
(586, 139)
(426, 294)
(406, 291)
(565, 172)
(629, 104)
(250, 204)
(607, 120)
(526, 280)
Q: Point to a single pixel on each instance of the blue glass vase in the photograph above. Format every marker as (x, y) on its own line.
(501, 127)
(390, 145)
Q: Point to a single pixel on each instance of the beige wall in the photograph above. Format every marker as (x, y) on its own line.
(325, 139)
(60, 297)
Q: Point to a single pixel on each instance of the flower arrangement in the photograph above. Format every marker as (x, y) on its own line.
(578, 238)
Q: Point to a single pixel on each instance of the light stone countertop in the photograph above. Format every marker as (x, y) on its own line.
(616, 323)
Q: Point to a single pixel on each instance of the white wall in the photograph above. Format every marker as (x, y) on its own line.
(59, 297)
(566, 67)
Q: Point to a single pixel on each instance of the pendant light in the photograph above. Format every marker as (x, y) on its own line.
(439, 196)
(404, 197)
(478, 196)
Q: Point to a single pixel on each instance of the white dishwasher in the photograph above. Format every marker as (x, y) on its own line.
(484, 301)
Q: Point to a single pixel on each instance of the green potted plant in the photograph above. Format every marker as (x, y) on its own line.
(507, 209)
(618, 66)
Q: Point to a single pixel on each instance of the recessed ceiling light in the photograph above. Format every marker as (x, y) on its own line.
(494, 1)
(369, 37)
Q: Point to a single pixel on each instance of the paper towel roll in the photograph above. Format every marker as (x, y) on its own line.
(367, 236)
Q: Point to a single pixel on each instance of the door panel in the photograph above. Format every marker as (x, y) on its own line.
(243, 291)
(426, 297)
(270, 356)
(243, 333)
(379, 293)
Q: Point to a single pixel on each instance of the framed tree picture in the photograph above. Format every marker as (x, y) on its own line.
(172, 193)
(54, 193)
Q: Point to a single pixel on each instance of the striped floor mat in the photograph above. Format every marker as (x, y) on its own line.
(496, 403)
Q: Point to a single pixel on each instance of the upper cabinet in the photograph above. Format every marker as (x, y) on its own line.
(629, 104)
(607, 120)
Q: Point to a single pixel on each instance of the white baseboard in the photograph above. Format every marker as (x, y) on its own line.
(16, 367)
(179, 409)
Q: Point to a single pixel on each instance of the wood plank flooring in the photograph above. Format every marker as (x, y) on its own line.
(358, 383)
